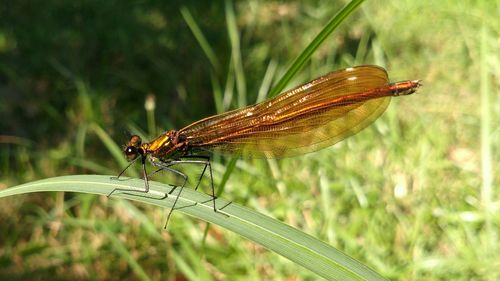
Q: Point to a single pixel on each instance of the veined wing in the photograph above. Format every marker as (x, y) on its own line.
(304, 119)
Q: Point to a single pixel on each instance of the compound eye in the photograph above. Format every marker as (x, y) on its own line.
(135, 140)
(131, 152)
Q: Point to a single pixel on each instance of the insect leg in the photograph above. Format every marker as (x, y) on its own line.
(167, 166)
(205, 160)
(144, 173)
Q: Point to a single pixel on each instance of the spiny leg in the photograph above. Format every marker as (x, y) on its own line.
(123, 171)
(173, 205)
(206, 163)
(145, 176)
(166, 166)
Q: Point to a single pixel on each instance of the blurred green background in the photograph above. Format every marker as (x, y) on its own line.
(414, 196)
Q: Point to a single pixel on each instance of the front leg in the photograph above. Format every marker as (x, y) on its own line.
(145, 176)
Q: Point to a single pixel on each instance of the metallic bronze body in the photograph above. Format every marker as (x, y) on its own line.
(305, 119)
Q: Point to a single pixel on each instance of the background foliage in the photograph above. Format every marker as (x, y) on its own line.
(415, 196)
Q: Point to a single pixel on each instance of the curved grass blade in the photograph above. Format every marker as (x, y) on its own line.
(289, 242)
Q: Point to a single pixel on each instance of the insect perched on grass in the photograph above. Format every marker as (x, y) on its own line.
(301, 120)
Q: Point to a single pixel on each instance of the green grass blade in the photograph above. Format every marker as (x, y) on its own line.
(112, 147)
(234, 39)
(265, 86)
(289, 242)
(301, 60)
(202, 40)
(217, 92)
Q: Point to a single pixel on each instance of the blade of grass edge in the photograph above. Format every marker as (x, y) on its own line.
(234, 40)
(301, 60)
(283, 239)
(200, 37)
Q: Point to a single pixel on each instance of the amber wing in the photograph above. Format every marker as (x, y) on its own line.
(304, 119)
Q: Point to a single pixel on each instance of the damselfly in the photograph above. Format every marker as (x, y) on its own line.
(307, 118)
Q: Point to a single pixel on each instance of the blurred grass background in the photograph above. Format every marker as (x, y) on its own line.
(414, 196)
